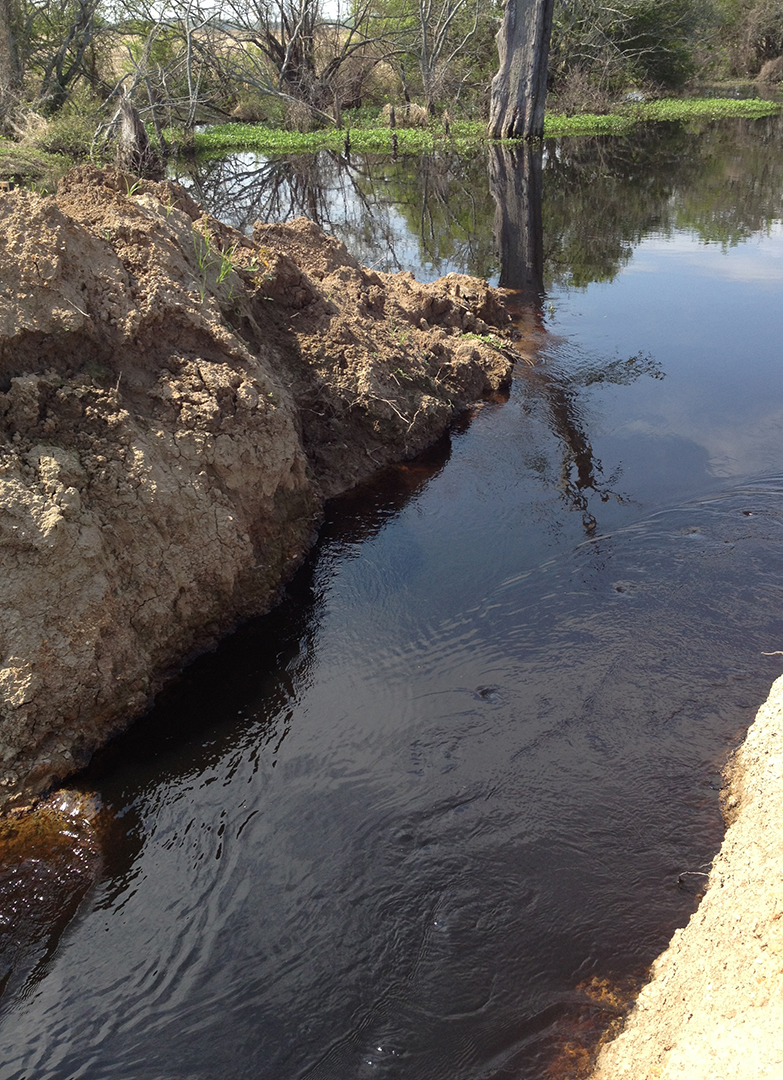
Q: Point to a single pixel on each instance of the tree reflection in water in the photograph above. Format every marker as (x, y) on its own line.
(564, 217)
(430, 214)
(515, 177)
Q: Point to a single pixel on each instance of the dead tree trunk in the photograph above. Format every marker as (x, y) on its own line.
(10, 75)
(519, 88)
(135, 153)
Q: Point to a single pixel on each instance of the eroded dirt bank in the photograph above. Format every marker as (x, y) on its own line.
(714, 1005)
(176, 402)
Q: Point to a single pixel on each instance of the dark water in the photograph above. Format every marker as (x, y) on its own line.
(421, 821)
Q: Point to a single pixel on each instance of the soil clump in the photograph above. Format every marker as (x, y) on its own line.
(177, 401)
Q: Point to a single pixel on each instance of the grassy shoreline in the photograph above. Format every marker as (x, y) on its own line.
(467, 135)
(36, 168)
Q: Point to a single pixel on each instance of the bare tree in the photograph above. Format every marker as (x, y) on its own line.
(69, 32)
(519, 88)
(435, 46)
(9, 58)
(293, 51)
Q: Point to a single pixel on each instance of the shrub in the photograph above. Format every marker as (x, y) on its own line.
(67, 133)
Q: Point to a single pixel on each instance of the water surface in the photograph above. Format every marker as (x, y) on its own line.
(421, 819)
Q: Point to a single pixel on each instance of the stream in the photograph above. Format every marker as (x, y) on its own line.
(434, 816)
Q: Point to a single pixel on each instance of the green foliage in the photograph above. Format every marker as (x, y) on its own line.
(616, 123)
(690, 109)
(67, 133)
(684, 110)
(749, 33)
(214, 263)
(221, 139)
(627, 42)
(31, 167)
(61, 47)
(656, 37)
(465, 137)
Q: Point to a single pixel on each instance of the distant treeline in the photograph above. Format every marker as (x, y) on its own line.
(307, 63)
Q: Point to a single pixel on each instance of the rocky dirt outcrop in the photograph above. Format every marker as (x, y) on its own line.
(713, 1009)
(176, 401)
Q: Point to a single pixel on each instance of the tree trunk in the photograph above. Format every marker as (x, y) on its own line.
(135, 153)
(519, 88)
(9, 59)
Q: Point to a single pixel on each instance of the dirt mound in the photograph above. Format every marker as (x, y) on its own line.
(377, 363)
(176, 401)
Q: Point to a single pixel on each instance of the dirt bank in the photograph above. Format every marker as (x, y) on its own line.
(176, 402)
(714, 1005)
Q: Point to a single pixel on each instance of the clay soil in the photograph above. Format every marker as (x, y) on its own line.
(177, 401)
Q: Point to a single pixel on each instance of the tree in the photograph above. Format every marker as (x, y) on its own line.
(9, 59)
(436, 22)
(64, 33)
(295, 51)
(46, 47)
(600, 48)
(519, 88)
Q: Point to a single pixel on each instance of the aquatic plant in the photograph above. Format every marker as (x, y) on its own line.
(466, 136)
(684, 110)
(371, 139)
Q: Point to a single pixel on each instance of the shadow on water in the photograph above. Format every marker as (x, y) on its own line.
(236, 697)
(516, 183)
(250, 677)
(429, 817)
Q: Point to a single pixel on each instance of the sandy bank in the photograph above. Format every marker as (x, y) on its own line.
(714, 1005)
(176, 402)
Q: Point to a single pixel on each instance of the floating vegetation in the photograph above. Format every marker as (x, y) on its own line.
(368, 139)
(683, 110)
(464, 136)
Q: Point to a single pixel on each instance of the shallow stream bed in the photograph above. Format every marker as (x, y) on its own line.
(433, 817)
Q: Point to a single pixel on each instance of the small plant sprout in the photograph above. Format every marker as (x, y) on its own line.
(215, 262)
(397, 332)
(226, 264)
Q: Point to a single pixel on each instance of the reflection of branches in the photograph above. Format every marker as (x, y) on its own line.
(516, 183)
(375, 206)
(581, 471)
(618, 372)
